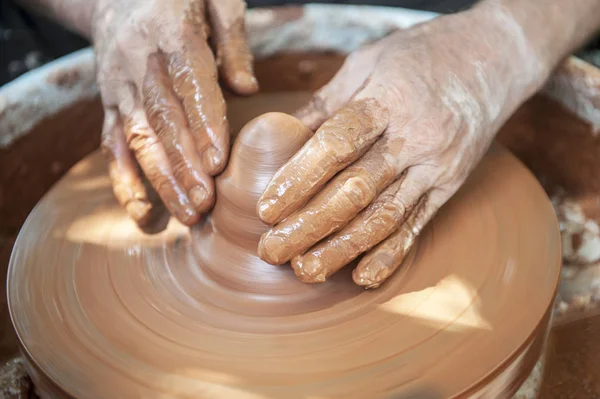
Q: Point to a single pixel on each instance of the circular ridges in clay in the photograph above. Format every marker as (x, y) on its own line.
(263, 145)
(105, 310)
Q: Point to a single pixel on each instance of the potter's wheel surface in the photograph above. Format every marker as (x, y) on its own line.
(104, 310)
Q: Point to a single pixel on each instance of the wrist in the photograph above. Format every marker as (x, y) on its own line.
(497, 63)
(551, 30)
(524, 65)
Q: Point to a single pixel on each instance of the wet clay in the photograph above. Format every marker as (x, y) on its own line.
(182, 312)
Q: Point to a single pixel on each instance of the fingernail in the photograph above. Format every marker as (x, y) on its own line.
(309, 269)
(138, 210)
(371, 275)
(268, 249)
(198, 196)
(244, 82)
(265, 212)
(213, 160)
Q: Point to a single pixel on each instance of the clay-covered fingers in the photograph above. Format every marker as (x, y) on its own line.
(233, 56)
(381, 219)
(193, 75)
(123, 170)
(340, 141)
(336, 205)
(166, 117)
(154, 162)
(383, 260)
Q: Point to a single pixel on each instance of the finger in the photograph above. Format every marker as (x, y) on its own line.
(196, 14)
(380, 262)
(194, 76)
(320, 107)
(233, 55)
(339, 142)
(369, 228)
(166, 118)
(353, 75)
(340, 201)
(153, 160)
(123, 171)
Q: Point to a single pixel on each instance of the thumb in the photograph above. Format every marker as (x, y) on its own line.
(351, 77)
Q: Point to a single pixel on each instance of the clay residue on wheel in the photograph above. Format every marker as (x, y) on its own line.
(15, 382)
(64, 78)
(562, 149)
(30, 165)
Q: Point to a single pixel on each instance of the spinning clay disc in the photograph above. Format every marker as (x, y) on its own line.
(105, 310)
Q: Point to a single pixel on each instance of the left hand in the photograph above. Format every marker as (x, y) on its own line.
(402, 125)
(164, 113)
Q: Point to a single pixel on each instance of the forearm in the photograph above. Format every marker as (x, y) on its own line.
(554, 28)
(511, 47)
(548, 30)
(75, 15)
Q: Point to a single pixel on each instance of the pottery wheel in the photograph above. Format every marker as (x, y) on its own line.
(104, 310)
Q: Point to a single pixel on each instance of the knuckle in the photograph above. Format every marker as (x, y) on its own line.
(398, 208)
(381, 222)
(142, 143)
(336, 144)
(388, 212)
(358, 190)
(160, 118)
(107, 144)
(154, 110)
(161, 185)
(165, 120)
(108, 141)
(179, 166)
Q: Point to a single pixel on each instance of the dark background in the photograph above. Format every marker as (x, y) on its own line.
(28, 41)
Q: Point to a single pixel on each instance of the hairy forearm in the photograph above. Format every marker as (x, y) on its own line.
(75, 15)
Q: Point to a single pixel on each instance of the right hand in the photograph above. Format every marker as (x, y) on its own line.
(398, 130)
(164, 110)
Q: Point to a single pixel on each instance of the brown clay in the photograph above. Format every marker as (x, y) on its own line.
(106, 310)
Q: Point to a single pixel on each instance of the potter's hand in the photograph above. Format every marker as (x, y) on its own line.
(399, 129)
(164, 110)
